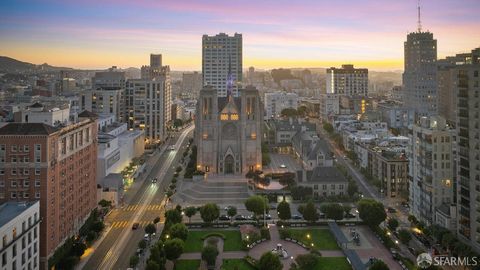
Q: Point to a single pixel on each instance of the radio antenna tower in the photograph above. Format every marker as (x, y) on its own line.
(419, 22)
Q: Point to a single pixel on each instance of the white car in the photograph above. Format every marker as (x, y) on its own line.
(283, 166)
(171, 147)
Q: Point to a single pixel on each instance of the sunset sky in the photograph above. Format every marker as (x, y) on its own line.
(276, 33)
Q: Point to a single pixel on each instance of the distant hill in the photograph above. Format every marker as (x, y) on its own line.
(10, 65)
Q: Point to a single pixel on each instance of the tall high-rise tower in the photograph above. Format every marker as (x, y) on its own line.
(222, 62)
(420, 73)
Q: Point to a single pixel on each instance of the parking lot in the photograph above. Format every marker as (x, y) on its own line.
(282, 163)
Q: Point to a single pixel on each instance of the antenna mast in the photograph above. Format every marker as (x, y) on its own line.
(419, 22)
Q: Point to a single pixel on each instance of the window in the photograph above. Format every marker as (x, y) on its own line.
(2, 183)
(37, 195)
(37, 171)
(13, 183)
(14, 159)
(4, 257)
(26, 148)
(14, 171)
(26, 171)
(38, 147)
(26, 159)
(37, 182)
(2, 171)
(26, 183)
(14, 248)
(14, 148)
(2, 147)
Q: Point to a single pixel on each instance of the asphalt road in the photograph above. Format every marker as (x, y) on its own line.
(121, 241)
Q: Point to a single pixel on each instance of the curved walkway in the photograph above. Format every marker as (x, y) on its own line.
(256, 252)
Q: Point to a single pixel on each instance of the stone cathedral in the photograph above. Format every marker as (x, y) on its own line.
(228, 132)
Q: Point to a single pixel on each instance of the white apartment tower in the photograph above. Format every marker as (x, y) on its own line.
(431, 168)
(222, 62)
(277, 101)
(348, 81)
(149, 105)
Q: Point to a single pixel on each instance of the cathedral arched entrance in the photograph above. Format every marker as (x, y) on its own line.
(229, 164)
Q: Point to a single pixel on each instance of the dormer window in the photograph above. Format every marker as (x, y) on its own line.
(224, 117)
(234, 116)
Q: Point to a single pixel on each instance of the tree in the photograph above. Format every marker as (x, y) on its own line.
(392, 224)
(269, 261)
(177, 123)
(379, 265)
(142, 244)
(328, 127)
(209, 212)
(133, 260)
(152, 265)
(306, 261)
(404, 236)
(289, 112)
(334, 211)
(105, 203)
(256, 204)
(310, 212)
(231, 211)
(156, 220)
(283, 209)
(287, 179)
(150, 228)
(302, 111)
(352, 188)
(371, 212)
(190, 212)
(347, 208)
(448, 240)
(209, 254)
(157, 253)
(173, 248)
(78, 248)
(179, 231)
(173, 216)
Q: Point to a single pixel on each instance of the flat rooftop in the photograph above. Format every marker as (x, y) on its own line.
(10, 210)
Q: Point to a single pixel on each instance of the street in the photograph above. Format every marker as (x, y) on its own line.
(147, 203)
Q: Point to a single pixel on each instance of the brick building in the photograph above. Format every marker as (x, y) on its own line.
(55, 165)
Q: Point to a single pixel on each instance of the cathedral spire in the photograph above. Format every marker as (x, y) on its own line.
(229, 79)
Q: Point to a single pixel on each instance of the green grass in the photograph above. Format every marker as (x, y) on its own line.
(337, 263)
(230, 264)
(187, 264)
(232, 242)
(321, 238)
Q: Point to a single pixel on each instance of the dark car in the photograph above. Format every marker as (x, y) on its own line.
(391, 210)
(135, 225)
(297, 217)
(154, 180)
(240, 217)
(349, 215)
(223, 217)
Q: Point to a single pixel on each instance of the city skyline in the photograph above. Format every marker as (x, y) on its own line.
(276, 33)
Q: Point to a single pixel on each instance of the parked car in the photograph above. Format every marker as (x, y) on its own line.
(224, 217)
(171, 147)
(154, 180)
(146, 237)
(283, 166)
(273, 206)
(135, 225)
(395, 254)
(349, 215)
(267, 217)
(297, 217)
(240, 217)
(391, 210)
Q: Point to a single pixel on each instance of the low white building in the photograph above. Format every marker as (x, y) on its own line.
(20, 232)
(277, 101)
(117, 146)
(39, 113)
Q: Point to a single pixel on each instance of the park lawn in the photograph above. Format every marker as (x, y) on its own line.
(232, 242)
(323, 239)
(241, 264)
(187, 264)
(337, 263)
